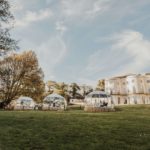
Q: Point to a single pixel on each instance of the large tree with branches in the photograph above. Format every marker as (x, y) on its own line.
(6, 41)
(20, 74)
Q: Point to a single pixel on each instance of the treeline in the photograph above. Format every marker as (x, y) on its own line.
(69, 91)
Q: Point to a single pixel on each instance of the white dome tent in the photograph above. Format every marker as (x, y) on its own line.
(98, 101)
(24, 103)
(54, 102)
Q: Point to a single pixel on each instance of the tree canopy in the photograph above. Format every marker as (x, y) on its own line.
(101, 85)
(20, 74)
(7, 43)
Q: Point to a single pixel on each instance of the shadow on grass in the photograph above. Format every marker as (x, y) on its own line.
(75, 107)
(118, 109)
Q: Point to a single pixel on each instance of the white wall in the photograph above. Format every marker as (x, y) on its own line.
(135, 89)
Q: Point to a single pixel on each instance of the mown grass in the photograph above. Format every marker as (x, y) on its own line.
(126, 129)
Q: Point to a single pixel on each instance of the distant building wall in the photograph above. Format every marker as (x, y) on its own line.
(129, 89)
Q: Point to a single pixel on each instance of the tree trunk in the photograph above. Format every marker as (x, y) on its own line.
(4, 104)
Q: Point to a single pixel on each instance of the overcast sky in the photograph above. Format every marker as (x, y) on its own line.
(85, 40)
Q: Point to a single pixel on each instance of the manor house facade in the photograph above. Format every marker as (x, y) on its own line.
(129, 89)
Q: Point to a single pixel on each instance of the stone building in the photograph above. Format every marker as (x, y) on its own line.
(129, 89)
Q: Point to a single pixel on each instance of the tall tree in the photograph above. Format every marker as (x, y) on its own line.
(101, 85)
(51, 85)
(54, 87)
(74, 90)
(20, 75)
(59, 88)
(6, 42)
(62, 89)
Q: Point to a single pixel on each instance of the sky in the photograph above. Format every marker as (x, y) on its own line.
(85, 40)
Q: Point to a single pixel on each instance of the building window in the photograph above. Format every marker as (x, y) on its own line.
(143, 99)
(111, 92)
(135, 100)
(118, 100)
(125, 101)
(134, 89)
(129, 100)
(95, 96)
(148, 81)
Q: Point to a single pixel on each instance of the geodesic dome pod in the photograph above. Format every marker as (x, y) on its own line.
(24, 103)
(98, 99)
(54, 102)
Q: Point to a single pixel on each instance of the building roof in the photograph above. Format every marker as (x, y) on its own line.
(97, 92)
(147, 73)
(123, 76)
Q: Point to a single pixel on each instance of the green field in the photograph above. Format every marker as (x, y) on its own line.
(126, 129)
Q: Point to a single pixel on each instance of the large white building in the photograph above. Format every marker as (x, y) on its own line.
(129, 89)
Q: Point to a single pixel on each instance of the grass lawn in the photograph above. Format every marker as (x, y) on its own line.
(127, 129)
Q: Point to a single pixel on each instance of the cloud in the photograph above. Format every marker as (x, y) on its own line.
(79, 22)
(61, 27)
(33, 16)
(50, 54)
(136, 46)
(49, 1)
(99, 7)
(83, 8)
(129, 53)
(16, 5)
